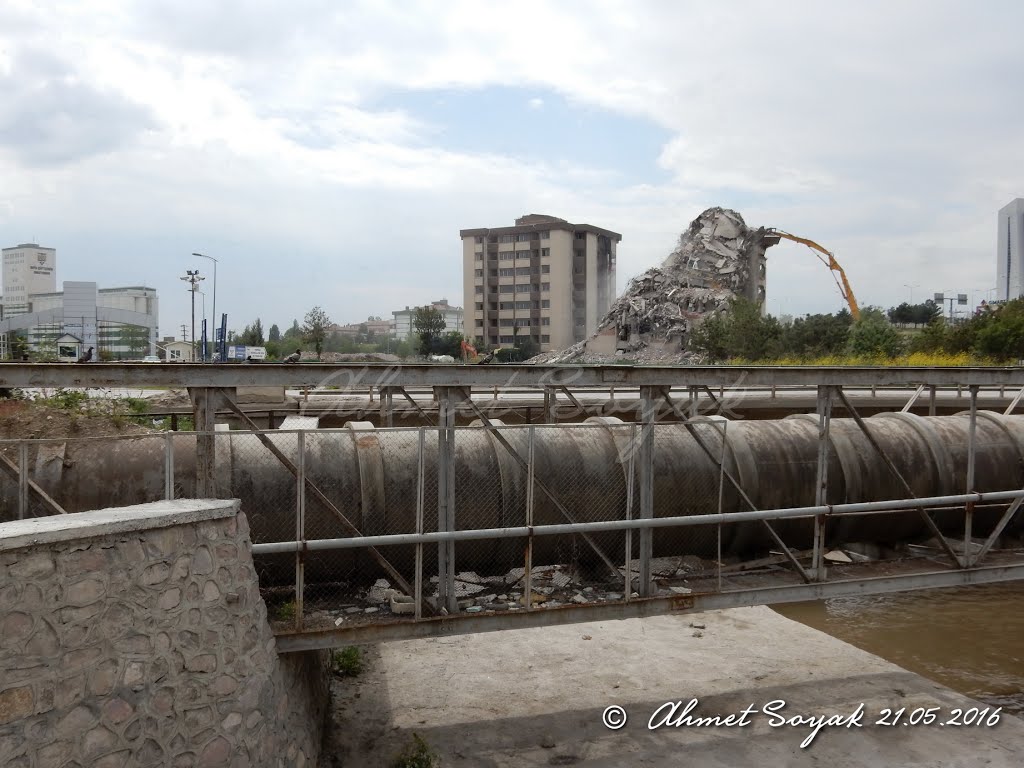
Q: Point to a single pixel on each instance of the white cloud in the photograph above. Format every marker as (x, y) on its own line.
(886, 132)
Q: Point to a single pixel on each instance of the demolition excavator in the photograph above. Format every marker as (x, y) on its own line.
(827, 258)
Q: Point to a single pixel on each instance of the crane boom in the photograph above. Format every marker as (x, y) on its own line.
(827, 258)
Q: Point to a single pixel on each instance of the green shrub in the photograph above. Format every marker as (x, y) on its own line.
(347, 662)
(417, 755)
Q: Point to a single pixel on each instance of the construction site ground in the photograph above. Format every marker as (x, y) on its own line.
(535, 697)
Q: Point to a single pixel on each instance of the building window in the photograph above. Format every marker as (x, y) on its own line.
(581, 235)
(492, 257)
(545, 252)
(508, 339)
(522, 270)
(478, 239)
(507, 272)
(494, 307)
(545, 321)
(478, 273)
(524, 238)
(507, 288)
(524, 305)
(545, 286)
(479, 306)
(545, 235)
(522, 322)
(478, 257)
(507, 239)
(479, 289)
(522, 288)
(545, 339)
(480, 323)
(506, 322)
(506, 255)
(545, 269)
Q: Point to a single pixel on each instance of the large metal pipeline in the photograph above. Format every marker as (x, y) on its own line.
(372, 477)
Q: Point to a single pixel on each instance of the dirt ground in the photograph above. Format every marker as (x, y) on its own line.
(535, 697)
(20, 419)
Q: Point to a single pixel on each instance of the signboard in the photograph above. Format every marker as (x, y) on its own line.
(244, 353)
(961, 298)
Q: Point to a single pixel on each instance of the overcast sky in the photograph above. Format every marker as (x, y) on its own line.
(327, 153)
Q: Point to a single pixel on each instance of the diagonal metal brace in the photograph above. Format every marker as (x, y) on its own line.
(543, 488)
(9, 465)
(345, 522)
(896, 473)
(735, 484)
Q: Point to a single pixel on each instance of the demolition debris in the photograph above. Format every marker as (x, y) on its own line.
(718, 259)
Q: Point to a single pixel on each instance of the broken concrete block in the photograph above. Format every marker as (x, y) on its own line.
(837, 556)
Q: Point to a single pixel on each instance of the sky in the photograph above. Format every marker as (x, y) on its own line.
(327, 154)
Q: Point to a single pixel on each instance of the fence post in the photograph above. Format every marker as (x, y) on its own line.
(22, 480)
(971, 454)
(446, 499)
(418, 579)
(631, 477)
(648, 406)
(824, 409)
(528, 559)
(169, 465)
(300, 526)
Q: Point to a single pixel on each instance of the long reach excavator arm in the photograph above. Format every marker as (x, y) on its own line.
(827, 258)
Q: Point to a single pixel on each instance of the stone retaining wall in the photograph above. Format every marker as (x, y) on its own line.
(137, 637)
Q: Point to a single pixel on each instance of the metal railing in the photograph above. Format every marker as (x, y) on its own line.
(357, 529)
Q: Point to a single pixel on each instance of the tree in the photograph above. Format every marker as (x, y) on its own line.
(252, 336)
(817, 335)
(135, 337)
(314, 329)
(874, 336)
(294, 332)
(274, 334)
(428, 322)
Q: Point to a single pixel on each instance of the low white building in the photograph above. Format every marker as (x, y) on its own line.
(120, 322)
(404, 319)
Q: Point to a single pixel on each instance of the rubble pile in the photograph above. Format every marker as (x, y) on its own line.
(717, 259)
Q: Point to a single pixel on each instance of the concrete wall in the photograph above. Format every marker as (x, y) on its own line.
(137, 636)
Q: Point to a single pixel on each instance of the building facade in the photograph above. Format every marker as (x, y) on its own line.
(120, 322)
(1010, 251)
(403, 325)
(543, 277)
(28, 268)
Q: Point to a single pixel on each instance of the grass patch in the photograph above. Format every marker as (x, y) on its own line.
(418, 754)
(347, 662)
(922, 359)
(285, 611)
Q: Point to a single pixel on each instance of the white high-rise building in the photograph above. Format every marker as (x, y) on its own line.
(28, 268)
(1010, 253)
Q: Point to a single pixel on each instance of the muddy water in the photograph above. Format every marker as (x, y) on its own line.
(968, 638)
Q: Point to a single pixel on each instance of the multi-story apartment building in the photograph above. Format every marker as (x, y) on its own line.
(543, 277)
(1010, 251)
(28, 268)
(403, 326)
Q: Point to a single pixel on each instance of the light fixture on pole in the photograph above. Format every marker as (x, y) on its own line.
(192, 277)
(216, 322)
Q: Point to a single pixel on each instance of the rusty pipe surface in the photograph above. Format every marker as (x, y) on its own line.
(371, 475)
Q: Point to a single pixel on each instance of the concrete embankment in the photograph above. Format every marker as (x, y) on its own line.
(537, 696)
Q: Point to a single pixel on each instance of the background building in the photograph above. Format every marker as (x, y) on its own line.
(1010, 251)
(544, 278)
(28, 268)
(404, 318)
(121, 322)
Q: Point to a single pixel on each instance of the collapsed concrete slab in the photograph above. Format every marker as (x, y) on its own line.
(718, 258)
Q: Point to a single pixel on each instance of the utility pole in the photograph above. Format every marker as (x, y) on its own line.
(192, 278)
(216, 323)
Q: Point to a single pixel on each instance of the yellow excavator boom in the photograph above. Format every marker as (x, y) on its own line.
(827, 258)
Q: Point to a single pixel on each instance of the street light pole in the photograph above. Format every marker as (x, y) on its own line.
(217, 322)
(192, 278)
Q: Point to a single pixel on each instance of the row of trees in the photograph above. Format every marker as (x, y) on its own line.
(744, 333)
